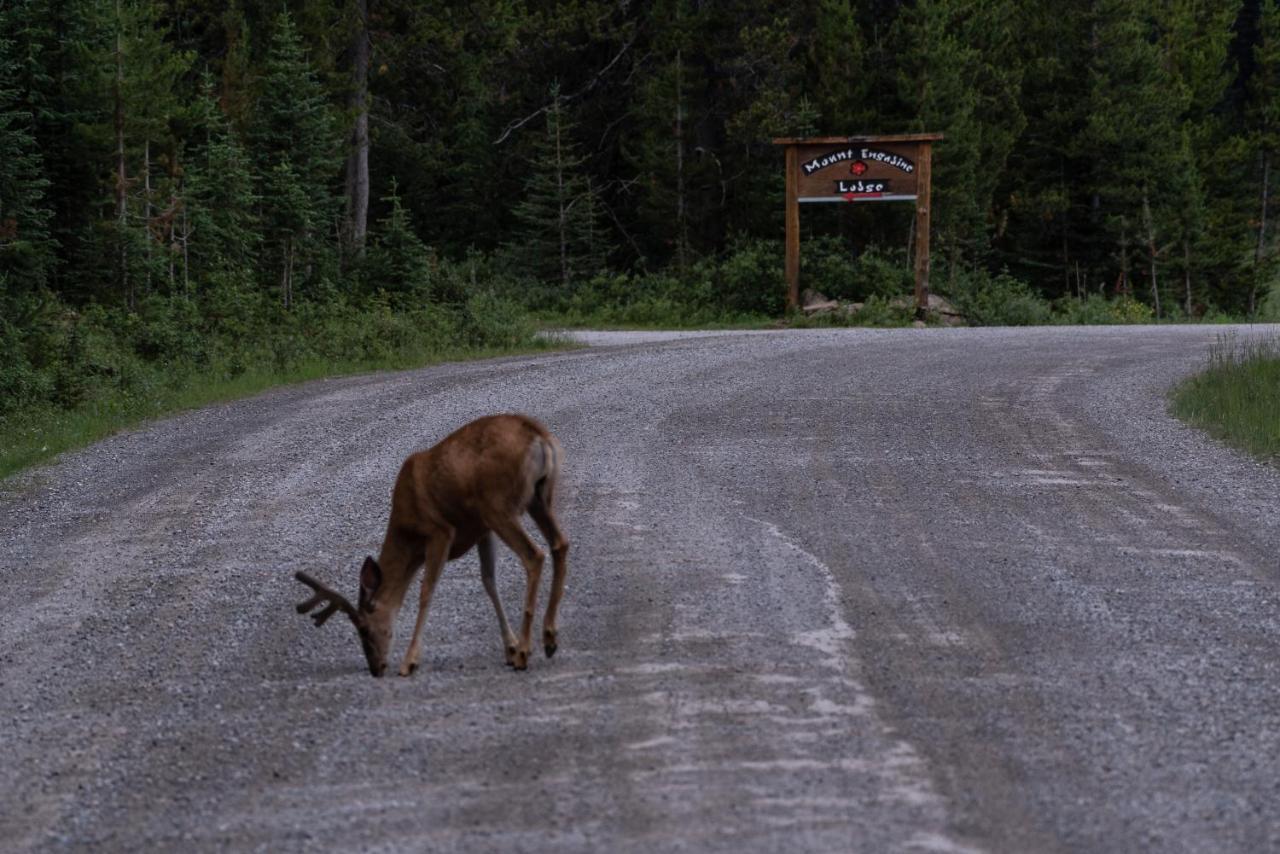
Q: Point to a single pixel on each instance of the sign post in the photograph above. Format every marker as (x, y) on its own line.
(896, 168)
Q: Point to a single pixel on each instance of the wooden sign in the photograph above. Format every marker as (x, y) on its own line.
(859, 169)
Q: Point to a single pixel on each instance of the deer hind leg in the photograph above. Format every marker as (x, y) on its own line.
(532, 557)
(484, 546)
(437, 553)
(545, 518)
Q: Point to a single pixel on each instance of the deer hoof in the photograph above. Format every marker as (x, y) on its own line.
(549, 643)
(511, 656)
(408, 667)
(520, 661)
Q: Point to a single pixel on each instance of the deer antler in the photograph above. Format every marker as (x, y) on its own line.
(336, 601)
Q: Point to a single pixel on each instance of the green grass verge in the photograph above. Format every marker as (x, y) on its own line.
(624, 319)
(1237, 397)
(35, 436)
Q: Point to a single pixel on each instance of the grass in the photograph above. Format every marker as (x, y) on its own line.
(1237, 397)
(39, 435)
(647, 316)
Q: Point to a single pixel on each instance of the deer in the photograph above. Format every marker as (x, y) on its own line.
(473, 485)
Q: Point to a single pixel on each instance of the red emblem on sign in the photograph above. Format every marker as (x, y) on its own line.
(858, 167)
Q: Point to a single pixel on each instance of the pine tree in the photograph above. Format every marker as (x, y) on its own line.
(295, 147)
(1263, 119)
(1134, 105)
(129, 59)
(671, 178)
(26, 246)
(560, 237)
(219, 231)
(959, 75)
(839, 70)
(1195, 47)
(397, 262)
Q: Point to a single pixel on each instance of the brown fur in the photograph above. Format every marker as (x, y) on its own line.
(475, 483)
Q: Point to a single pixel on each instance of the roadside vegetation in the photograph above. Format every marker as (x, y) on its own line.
(1237, 397)
(198, 201)
(108, 369)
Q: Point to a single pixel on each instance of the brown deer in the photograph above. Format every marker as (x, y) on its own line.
(476, 482)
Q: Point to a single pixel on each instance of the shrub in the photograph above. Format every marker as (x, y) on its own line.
(880, 311)
(749, 279)
(21, 385)
(1000, 300)
(1269, 306)
(167, 330)
(1093, 310)
(827, 266)
(1129, 310)
(493, 321)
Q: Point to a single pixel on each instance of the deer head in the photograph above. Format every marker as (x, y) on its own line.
(373, 623)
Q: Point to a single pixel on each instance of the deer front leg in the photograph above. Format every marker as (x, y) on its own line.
(510, 532)
(436, 555)
(484, 547)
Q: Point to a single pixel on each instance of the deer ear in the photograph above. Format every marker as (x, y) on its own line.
(370, 581)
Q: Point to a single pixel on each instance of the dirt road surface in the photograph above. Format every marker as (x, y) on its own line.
(847, 590)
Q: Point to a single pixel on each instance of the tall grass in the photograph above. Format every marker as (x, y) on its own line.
(1237, 397)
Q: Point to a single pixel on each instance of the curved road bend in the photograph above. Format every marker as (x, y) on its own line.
(847, 590)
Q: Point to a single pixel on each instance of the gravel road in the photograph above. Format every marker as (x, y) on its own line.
(845, 590)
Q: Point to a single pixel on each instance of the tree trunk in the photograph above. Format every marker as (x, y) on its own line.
(560, 199)
(1149, 224)
(1122, 284)
(1262, 232)
(1186, 273)
(174, 204)
(682, 235)
(186, 253)
(357, 219)
(122, 203)
(286, 280)
(146, 209)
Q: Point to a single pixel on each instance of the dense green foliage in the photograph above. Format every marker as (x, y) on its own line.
(180, 179)
(1237, 397)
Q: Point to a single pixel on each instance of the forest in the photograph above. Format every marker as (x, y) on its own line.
(193, 189)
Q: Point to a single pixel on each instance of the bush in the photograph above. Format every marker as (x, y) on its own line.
(1000, 300)
(491, 321)
(166, 330)
(21, 385)
(880, 311)
(750, 278)
(1269, 305)
(1129, 310)
(827, 266)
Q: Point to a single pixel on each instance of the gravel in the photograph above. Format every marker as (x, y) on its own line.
(936, 590)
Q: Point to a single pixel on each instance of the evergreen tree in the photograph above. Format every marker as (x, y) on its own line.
(1263, 134)
(960, 75)
(1135, 104)
(295, 148)
(129, 59)
(671, 178)
(219, 231)
(26, 247)
(397, 262)
(560, 237)
(1208, 232)
(839, 72)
